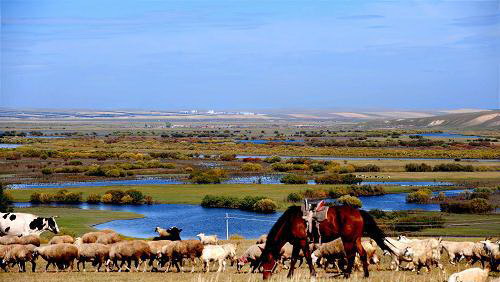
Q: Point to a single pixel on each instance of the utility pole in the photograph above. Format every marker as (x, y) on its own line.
(227, 226)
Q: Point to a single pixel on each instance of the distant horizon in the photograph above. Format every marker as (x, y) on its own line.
(245, 54)
(378, 109)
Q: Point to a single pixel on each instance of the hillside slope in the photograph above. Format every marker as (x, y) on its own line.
(476, 120)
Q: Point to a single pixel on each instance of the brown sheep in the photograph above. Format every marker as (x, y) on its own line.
(3, 252)
(128, 251)
(190, 249)
(61, 255)
(108, 239)
(20, 254)
(61, 239)
(91, 237)
(92, 252)
(156, 247)
(30, 240)
(21, 240)
(10, 240)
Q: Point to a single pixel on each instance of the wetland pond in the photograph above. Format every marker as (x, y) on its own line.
(194, 219)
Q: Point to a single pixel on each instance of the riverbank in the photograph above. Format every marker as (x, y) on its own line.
(194, 193)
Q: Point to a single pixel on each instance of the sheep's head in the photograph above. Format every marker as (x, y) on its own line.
(408, 252)
(200, 235)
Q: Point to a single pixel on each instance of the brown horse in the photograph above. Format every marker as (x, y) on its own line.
(345, 222)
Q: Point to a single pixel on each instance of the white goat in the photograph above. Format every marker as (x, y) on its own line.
(218, 253)
(207, 239)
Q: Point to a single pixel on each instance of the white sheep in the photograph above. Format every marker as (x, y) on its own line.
(475, 274)
(218, 253)
(331, 252)
(458, 250)
(252, 255)
(207, 239)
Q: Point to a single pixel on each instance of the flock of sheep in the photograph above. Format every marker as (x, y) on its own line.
(106, 248)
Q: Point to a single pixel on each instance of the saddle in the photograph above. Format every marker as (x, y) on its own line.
(313, 214)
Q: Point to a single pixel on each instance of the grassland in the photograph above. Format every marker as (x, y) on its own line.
(75, 221)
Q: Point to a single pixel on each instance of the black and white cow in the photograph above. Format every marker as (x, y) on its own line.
(21, 224)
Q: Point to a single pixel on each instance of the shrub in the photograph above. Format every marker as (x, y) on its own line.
(126, 200)
(75, 162)
(348, 200)
(45, 198)
(107, 198)
(35, 198)
(265, 206)
(72, 198)
(116, 196)
(317, 167)
(6, 200)
(148, 200)
(115, 172)
(272, 159)
(367, 168)
(293, 179)
(47, 171)
(418, 167)
(251, 167)
(136, 196)
(211, 176)
(453, 167)
(248, 202)
(346, 169)
(477, 205)
(337, 192)
(420, 197)
(282, 167)
(315, 193)
(338, 179)
(227, 157)
(93, 198)
(294, 197)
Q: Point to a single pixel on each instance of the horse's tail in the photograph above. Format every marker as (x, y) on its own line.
(374, 232)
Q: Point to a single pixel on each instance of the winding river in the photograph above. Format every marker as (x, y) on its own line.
(194, 219)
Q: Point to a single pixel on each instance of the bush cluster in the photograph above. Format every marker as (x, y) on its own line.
(61, 196)
(211, 176)
(367, 168)
(337, 192)
(334, 178)
(440, 167)
(421, 196)
(251, 167)
(348, 200)
(251, 203)
(477, 205)
(293, 179)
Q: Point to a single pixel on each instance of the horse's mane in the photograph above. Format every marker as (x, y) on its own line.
(272, 242)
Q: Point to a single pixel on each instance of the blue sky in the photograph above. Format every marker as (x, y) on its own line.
(250, 54)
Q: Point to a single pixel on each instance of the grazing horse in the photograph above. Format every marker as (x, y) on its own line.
(343, 222)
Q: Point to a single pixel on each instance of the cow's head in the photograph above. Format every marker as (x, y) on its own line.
(41, 224)
(52, 224)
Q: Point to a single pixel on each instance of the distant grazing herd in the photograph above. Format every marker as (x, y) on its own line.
(106, 250)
